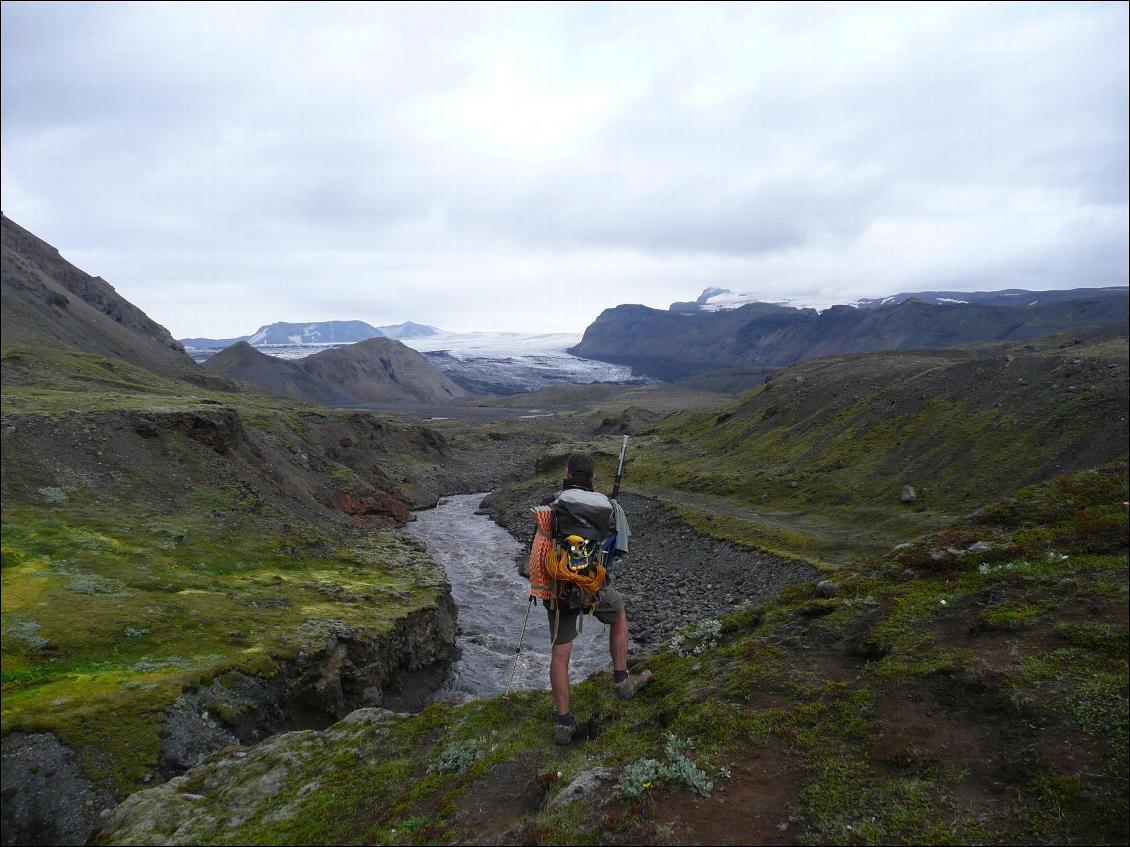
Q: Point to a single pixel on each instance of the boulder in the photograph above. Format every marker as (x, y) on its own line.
(583, 784)
(826, 589)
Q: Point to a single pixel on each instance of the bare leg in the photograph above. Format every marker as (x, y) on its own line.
(559, 675)
(618, 642)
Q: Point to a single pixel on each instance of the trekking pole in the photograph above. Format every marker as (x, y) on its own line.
(620, 467)
(521, 638)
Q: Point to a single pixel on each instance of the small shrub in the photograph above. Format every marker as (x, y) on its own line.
(696, 639)
(146, 664)
(89, 583)
(460, 755)
(639, 776)
(679, 768)
(53, 495)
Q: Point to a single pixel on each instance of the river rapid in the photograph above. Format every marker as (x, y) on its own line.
(480, 559)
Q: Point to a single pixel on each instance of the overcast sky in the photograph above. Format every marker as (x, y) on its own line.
(522, 167)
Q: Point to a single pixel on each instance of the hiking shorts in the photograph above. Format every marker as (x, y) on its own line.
(609, 605)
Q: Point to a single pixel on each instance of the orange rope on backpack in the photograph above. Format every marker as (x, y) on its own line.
(540, 552)
(549, 564)
(557, 568)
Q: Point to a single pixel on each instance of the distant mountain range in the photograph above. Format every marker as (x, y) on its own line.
(670, 344)
(1008, 297)
(718, 299)
(49, 304)
(314, 333)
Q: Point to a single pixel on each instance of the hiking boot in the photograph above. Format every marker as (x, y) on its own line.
(564, 733)
(628, 688)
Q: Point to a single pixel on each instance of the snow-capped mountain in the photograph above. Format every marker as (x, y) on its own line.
(1007, 297)
(318, 334)
(719, 299)
(408, 329)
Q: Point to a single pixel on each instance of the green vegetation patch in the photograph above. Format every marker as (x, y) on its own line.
(815, 460)
(888, 714)
(106, 623)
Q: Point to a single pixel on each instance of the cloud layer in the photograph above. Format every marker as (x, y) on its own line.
(510, 167)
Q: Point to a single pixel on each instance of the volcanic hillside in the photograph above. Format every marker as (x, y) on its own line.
(819, 456)
(49, 303)
(165, 529)
(379, 370)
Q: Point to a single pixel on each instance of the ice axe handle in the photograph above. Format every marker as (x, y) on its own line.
(620, 467)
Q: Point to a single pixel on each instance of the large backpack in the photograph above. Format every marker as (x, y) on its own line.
(584, 525)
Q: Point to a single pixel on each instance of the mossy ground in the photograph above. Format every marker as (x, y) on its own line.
(64, 381)
(110, 611)
(969, 688)
(136, 566)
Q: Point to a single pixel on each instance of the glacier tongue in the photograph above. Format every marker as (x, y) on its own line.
(483, 362)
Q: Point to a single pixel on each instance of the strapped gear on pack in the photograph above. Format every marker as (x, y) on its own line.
(572, 547)
(588, 514)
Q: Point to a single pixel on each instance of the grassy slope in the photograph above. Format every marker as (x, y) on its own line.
(166, 569)
(815, 460)
(969, 688)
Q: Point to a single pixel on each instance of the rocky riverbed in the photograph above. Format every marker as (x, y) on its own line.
(672, 575)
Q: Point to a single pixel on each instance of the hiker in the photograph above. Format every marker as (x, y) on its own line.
(564, 613)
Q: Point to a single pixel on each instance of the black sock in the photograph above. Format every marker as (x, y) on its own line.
(620, 676)
(566, 719)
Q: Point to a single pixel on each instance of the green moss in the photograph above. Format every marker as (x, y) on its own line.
(814, 461)
(230, 601)
(1101, 637)
(1057, 806)
(1015, 615)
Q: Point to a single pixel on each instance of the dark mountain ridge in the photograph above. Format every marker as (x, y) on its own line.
(379, 370)
(1006, 297)
(48, 302)
(672, 345)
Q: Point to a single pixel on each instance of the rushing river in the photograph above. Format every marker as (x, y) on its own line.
(480, 557)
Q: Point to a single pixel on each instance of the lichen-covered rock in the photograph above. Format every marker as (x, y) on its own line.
(232, 787)
(826, 589)
(584, 784)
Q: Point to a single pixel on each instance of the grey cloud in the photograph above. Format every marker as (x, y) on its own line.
(321, 148)
(692, 214)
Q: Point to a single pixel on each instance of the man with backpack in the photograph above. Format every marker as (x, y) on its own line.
(585, 519)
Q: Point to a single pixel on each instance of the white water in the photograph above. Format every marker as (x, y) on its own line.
(491, 595)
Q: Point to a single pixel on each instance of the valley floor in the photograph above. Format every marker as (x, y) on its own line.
(167, 554)
(970, 687)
